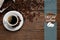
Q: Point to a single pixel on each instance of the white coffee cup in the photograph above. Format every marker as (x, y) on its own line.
(8, 25)
(12, 20)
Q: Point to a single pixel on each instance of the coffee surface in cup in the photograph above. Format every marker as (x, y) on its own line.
(12, 20)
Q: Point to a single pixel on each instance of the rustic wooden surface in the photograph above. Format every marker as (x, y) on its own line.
(58, 19)
(33, 28)
(33, 13)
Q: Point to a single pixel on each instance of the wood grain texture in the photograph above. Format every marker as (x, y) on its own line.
(33, 13)
(58, 19)
(33, 28)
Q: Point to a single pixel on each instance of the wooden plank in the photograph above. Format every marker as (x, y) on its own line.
(33, 21)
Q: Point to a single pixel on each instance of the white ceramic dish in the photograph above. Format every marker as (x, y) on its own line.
(7, 26)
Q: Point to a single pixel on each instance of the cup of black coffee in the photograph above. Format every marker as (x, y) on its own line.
(12, 20)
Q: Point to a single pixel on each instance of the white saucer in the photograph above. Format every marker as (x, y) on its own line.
(12, 13)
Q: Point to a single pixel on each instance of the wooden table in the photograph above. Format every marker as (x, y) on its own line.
(58, 19)
(33, 25)
(33, 28)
